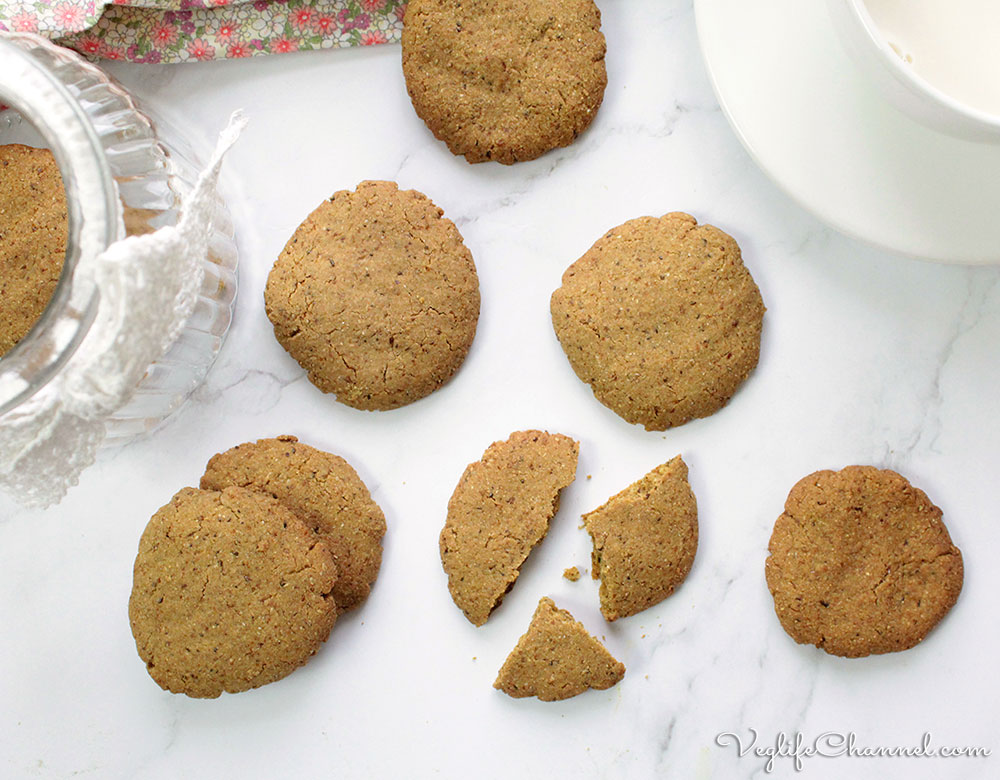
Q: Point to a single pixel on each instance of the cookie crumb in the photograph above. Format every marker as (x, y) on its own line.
(572, 574)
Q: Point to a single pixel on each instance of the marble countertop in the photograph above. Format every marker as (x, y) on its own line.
(866, 358)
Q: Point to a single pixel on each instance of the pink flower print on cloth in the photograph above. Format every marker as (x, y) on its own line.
(154, 31)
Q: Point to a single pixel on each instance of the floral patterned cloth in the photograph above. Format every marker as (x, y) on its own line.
(156, 31)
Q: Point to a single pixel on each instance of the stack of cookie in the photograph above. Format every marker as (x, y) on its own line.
(238, 583)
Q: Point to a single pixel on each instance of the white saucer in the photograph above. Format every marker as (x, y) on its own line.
(803, 112)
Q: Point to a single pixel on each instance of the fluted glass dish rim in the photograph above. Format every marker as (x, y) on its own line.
(32, 358)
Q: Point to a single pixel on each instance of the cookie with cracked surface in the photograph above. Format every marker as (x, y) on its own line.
(34, 225)
(376, 296)
(323, 491)
(861, 563)
(499, 511)
(645, 539)
(557, 659)
(504, 80)
(230, 591)
(661, 318)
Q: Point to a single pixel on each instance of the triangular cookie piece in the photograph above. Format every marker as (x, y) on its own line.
(644, 540)
(499, 511)
(557, 659)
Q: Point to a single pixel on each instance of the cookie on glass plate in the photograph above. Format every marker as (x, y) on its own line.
(34, 225)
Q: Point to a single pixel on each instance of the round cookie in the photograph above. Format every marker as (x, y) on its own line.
(230, 591)
(324, 492)
(661, 318)
(376, 296)
(861, 563)
(34, 225)
(504, 80)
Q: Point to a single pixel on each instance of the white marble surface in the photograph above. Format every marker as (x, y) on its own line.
(866, 358)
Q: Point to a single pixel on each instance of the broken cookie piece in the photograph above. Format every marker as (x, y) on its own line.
(557, 659)
(499, 511)
(645, 539)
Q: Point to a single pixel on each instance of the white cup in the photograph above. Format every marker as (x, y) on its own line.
(900, 84)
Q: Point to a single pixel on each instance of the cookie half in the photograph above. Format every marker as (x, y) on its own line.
(499, 511)
(230, 591)
(34, 225)
(504, 80)
(557, 659)
(661, 318)
(376, 296)
(861, 563)
(323, 491)
(645, 538)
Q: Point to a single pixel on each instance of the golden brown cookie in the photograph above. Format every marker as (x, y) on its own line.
(324, 492)
(557, 659)
(661, 318)
(861, 563)
(376, 296)
(645, 539)
(499, 511)
(33, 232)
(230, 591)
(504, 80)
